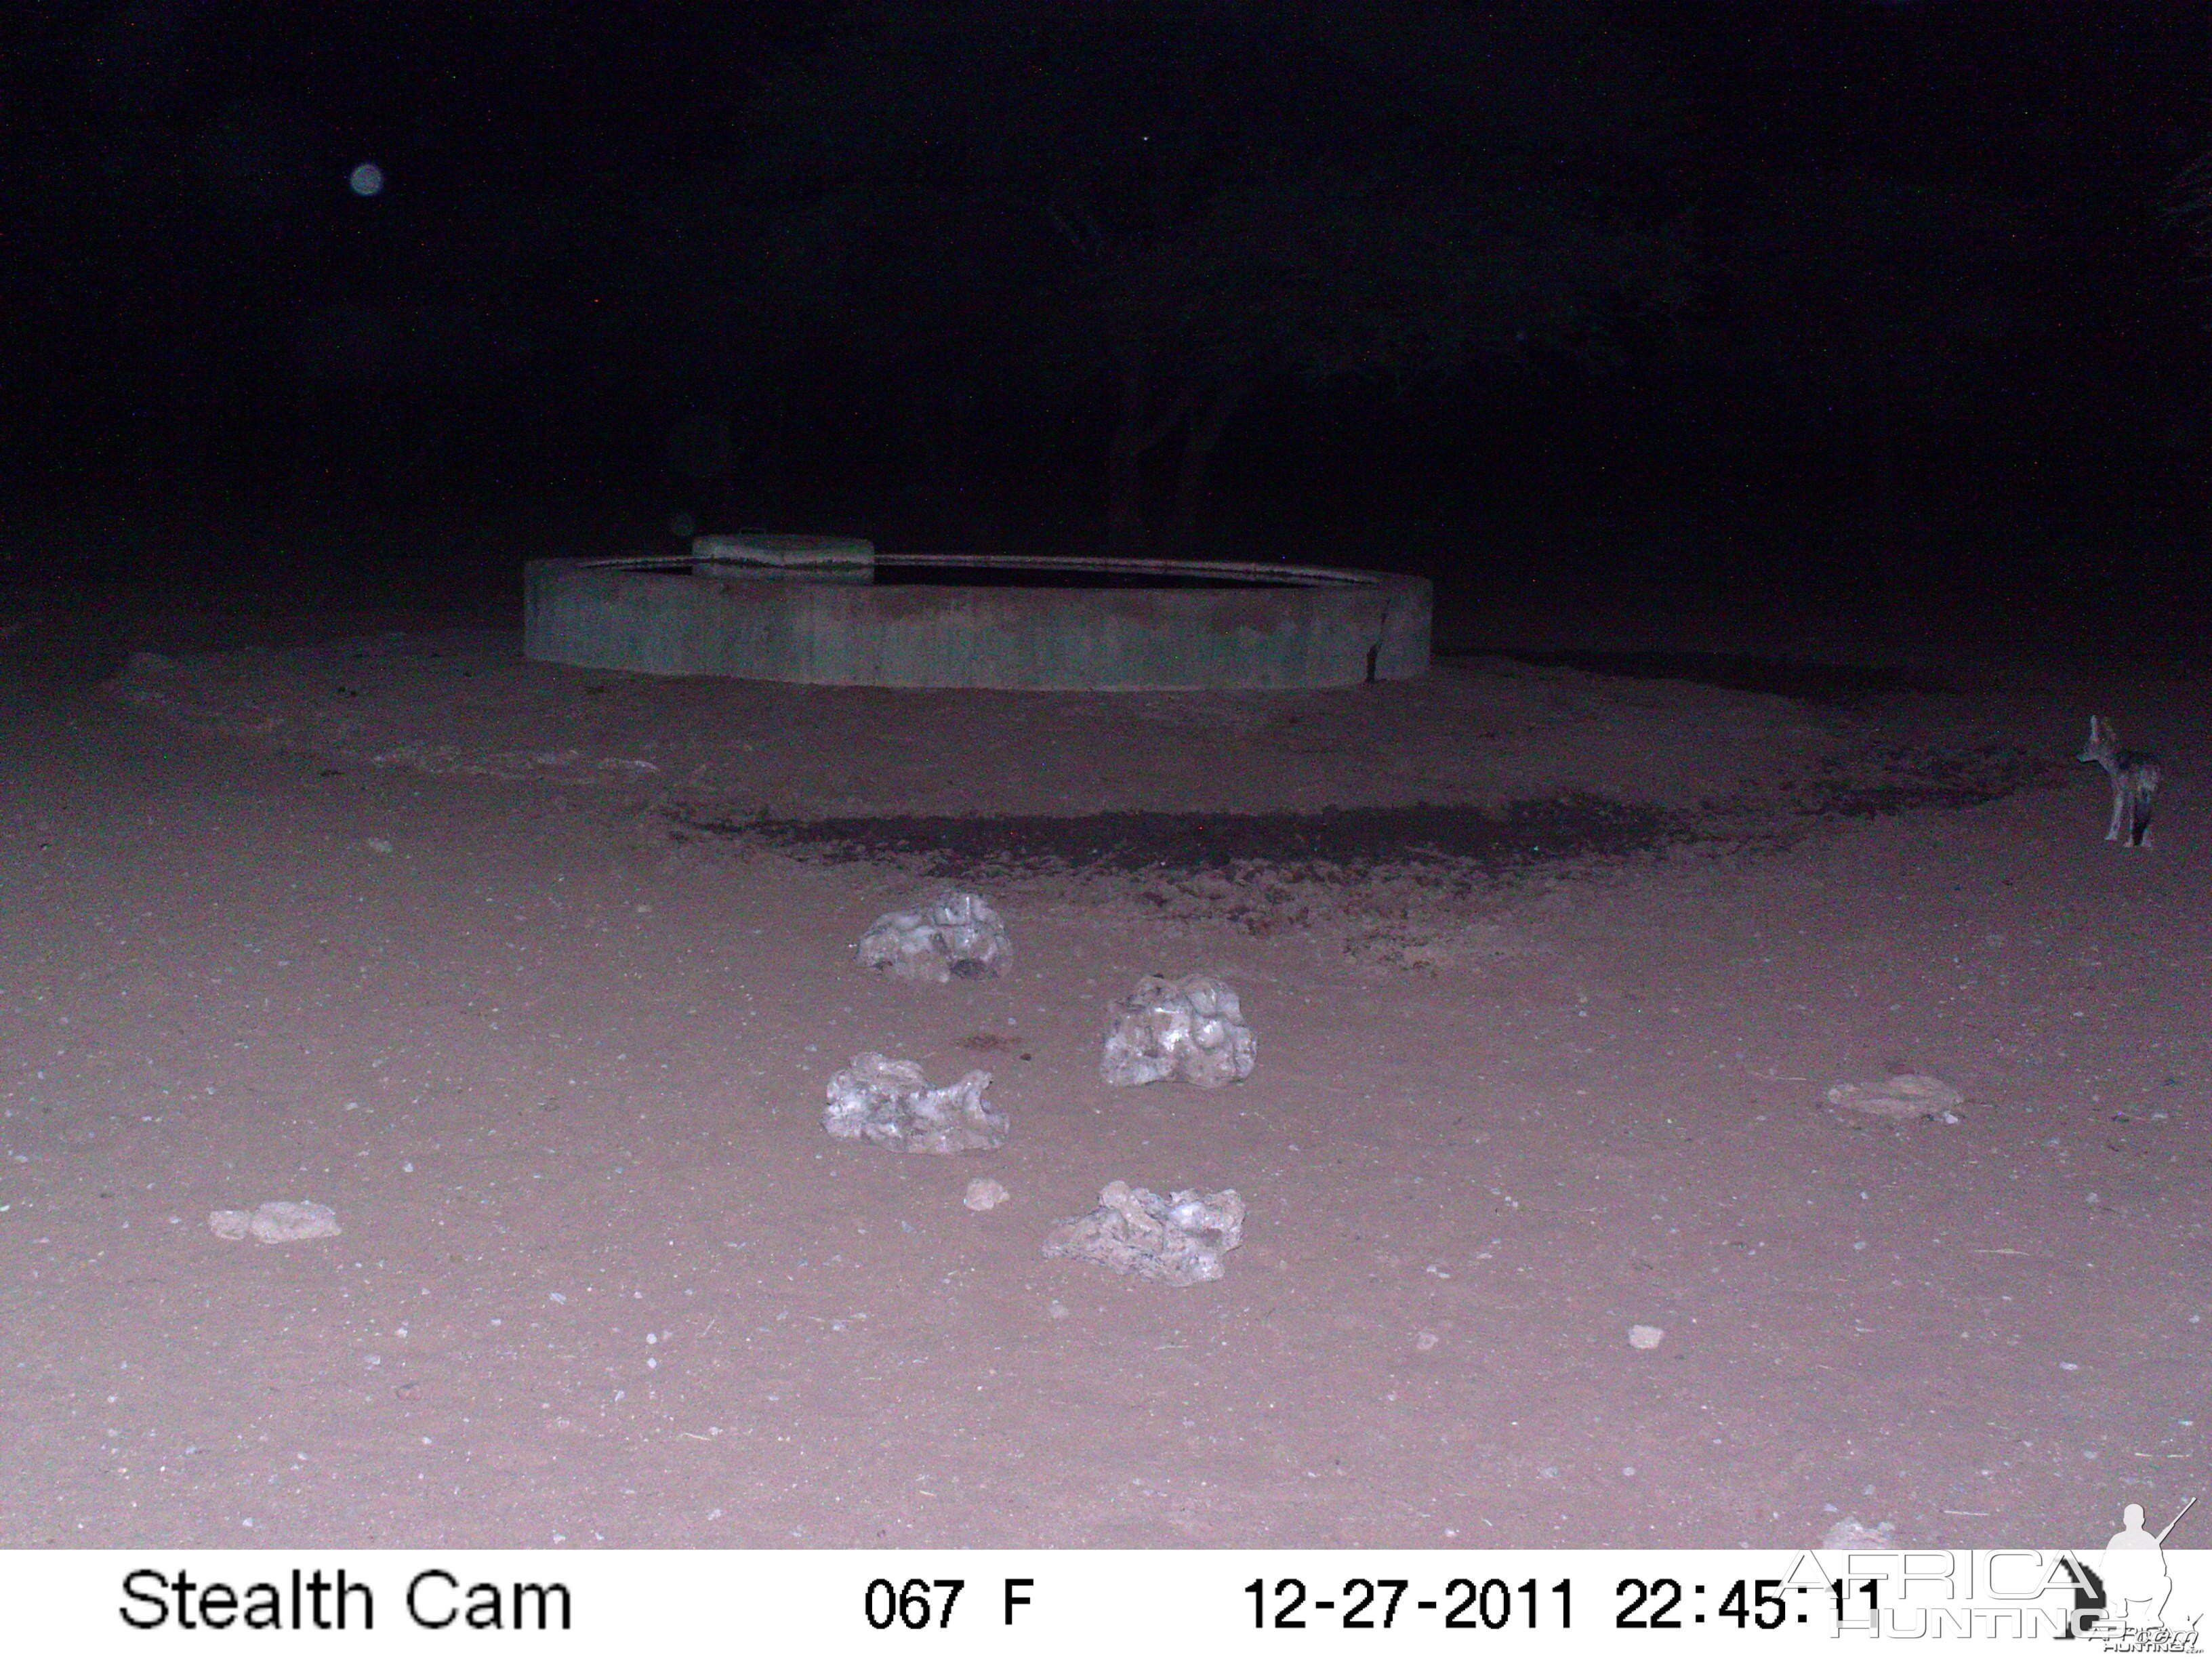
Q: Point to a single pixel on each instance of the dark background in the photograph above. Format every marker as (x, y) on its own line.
(1819, 320)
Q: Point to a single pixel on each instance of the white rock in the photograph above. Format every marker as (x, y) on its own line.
(952, 935)
(889, 1103)
(984, 1194)
(1194, 1027)
(1645, 1336)
(277, 1222)
(1909, 1094)
(1178, 1240)
(1851, 1534)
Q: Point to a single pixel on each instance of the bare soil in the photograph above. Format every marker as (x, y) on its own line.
(536, 978)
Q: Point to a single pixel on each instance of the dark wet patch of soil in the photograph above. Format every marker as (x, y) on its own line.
(1528, 832)
(1842, 686)
(1922, 779)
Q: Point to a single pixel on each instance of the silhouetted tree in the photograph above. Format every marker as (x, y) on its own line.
(1187, 200)
(1890, 306)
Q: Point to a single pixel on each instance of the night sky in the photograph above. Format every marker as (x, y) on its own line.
(1824, 309)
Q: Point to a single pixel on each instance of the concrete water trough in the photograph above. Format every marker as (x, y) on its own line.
(818, 611)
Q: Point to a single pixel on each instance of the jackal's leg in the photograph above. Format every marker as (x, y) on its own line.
(2138, 817)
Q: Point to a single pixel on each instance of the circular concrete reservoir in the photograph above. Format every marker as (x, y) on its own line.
(828, 611)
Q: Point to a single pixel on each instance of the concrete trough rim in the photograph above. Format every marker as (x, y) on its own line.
(1241, 625)
(1248, 571)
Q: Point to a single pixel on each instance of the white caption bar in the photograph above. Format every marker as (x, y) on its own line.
(78, 1604)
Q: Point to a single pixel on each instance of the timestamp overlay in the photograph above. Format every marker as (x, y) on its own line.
(74, 1604)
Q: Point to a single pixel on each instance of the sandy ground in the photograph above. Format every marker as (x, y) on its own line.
(536, 978)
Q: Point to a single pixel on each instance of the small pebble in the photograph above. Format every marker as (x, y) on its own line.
(984, 1194)
(1645, 1336)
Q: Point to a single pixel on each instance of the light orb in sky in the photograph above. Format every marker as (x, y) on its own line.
(367, 180)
